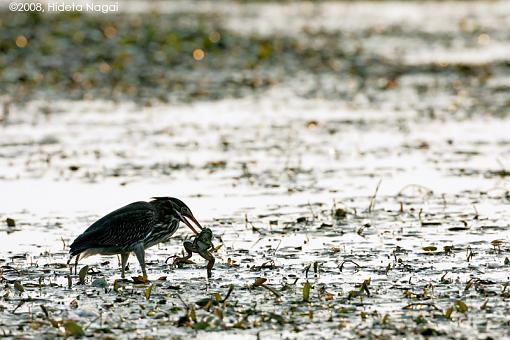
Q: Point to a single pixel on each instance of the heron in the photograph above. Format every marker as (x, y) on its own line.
(132, 229)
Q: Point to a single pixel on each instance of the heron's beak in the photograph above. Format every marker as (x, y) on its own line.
(194, 220)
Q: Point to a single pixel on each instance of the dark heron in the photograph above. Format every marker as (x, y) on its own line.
(133, 228)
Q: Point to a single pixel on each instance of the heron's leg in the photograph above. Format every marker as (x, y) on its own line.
(76, 264)
(123, 262)
(140, 255)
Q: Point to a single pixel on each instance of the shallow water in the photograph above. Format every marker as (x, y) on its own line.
(295, 167)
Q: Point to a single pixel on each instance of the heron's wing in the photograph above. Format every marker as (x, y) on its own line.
(122, 227)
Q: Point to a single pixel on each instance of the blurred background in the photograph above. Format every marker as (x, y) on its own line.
(149, 89)
(397, 55)
(366, 54)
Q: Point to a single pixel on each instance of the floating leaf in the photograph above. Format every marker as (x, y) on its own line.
(497, 243)
(83, 273)
(429, 332)
(448, 249)
(140, 279)
(216, 164)
(430, 248)
(208, 305)
(278, 318)
(340, 214)
(100, 283)
(10, 222)
(203, 302)
(116, 285)
(461, 306)
(448, 313)
(201, 325)
(259, 281)
(217, 297)
(469, 284)
(364, 286)
(19, 287)
(352, 294)
(458, 228)
(73, 329)
(430, 223)
(311, 124)
(306, 291)
(74, 304)
(241, 324)
(192, 315)
(148, 292)
(409, 294)
(484, 304)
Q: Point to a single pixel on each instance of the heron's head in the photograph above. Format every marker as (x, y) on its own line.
(182, 211)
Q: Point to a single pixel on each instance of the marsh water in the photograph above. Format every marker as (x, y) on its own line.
(372, 193)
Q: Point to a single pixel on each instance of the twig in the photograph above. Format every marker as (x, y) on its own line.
(271, 290)
(278, 246)
(311, 210)
(184, 303)
(91, 322)
(415, 304)
(341, 267)
(372, 200)
(257, 241)
(230, 289)
(306, 270)
(476, 212)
